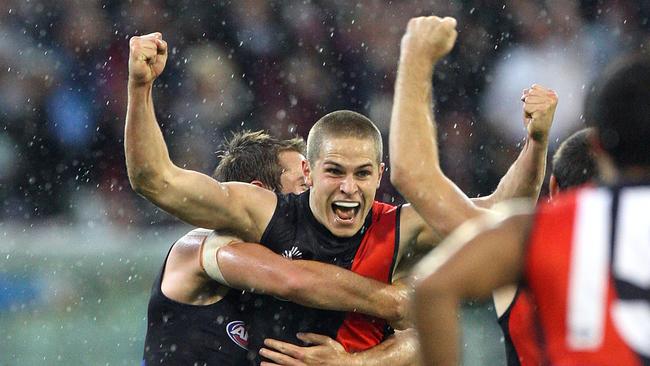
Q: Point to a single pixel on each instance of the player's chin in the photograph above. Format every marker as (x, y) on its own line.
(345, 227)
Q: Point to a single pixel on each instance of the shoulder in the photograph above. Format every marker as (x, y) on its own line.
(381, 209)
(410, 220)
(189, 245)
(567, 201)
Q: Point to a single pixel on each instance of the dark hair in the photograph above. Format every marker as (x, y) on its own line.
(620, 110)
(342, 124)
(249, 156)
(573, 162)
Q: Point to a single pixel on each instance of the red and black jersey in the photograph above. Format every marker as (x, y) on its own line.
(588, 270)
(521, 332)
(295, 233)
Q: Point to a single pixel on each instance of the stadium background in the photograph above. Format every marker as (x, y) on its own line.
(79, 249)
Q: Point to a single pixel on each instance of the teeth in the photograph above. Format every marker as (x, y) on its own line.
(347, 204)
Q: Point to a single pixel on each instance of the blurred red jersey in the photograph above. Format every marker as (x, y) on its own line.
(588, 270)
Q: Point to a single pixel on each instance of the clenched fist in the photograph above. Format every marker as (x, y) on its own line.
(539, 108)
(147, 58)
(429, 38)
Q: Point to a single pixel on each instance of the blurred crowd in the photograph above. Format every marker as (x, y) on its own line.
(279, 66)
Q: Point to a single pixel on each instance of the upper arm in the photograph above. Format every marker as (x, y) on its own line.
(183, 277)
(201, 201)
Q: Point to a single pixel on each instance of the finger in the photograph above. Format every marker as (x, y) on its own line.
(154, 35)
(535, 99)
(161, 46)
(286, 348)
(313, 338)
(451, 21)
(279, 358)
(539, 87)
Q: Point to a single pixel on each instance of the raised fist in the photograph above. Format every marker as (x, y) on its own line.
(147, 58)
(539, 108)
(430, 38)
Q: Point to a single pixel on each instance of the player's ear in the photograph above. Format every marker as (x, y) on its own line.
(306, 172)
(260, 184)
(553, 187)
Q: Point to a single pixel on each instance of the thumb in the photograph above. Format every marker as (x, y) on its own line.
(312, 338)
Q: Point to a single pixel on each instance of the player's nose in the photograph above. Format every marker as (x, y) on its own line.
(349, 185)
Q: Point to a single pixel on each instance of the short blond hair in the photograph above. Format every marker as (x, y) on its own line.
(342, 123)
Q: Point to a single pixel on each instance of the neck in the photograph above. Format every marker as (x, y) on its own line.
(314, 211)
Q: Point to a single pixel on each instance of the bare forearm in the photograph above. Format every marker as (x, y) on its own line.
(328, 286)
(413, 143)
(436, 317)
(524, 177)
(146, 153)
(400, 349)
(308, 283)
(415, 166)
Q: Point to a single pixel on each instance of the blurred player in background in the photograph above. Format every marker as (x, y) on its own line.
(573, 165)
(584, 257)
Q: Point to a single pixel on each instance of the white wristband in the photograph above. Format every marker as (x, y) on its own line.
(209, 249)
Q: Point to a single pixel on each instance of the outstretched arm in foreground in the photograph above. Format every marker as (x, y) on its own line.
(310, 283)
(191, 196)
(476, 266)
(400, 349)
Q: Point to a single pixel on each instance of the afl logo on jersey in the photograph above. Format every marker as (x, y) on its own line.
(237, 332)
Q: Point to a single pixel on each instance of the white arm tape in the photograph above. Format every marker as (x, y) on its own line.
(209, 249)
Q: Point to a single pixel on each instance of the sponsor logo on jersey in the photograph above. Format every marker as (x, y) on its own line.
(293, 253)
(237, 332)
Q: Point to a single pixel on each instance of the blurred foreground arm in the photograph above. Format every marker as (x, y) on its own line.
(473, 266)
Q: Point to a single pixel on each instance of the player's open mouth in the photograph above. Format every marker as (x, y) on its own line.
(345, 211)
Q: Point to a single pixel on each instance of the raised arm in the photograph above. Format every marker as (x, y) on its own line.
(415, 166)
(191, 196)
(526, 174)
(309, 283)
(471, 268)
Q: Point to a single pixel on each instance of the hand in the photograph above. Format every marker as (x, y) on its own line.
(147, 58)
(403, 291)
(429, 38)
(539, 108)
(324, 351)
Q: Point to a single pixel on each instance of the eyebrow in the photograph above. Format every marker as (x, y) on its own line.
(337, 165)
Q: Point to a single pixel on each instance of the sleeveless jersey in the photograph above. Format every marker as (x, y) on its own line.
(588, 269)
(184, 334)
(521, 333)
(295, 233)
